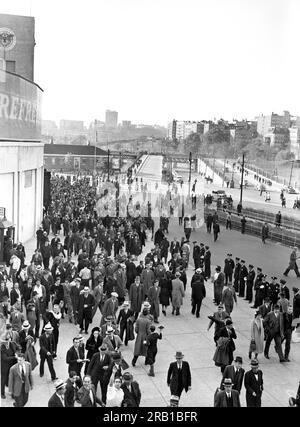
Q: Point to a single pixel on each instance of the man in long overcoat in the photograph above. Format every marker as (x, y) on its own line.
(85, 309)
(177, 293)
(142, 329)
(153, 298)
(136, 295)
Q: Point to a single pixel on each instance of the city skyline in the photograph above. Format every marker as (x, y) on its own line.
(155, 61)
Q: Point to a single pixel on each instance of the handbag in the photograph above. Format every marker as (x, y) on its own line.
(252, 346)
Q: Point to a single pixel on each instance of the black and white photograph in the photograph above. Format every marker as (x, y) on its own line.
(150, 205)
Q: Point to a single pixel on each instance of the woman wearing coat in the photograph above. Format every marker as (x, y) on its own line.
(165, 285)
(257, 335)
(177, 293)
(30, 353)
(142, 329)
(92, 345)
(153, 298)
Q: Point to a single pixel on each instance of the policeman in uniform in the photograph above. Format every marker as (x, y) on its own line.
(228, 268)
(207, 263)
(274, 290)
(257, 284)
(250, 284)
(236, 274)
(196, 255)
(242, 276)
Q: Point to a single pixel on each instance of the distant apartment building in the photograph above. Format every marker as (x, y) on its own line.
(73, 125)
(111, 119)
(126, 124)
(266, 123)
(49, 128)
(295, 141)
(17, 44)
(182, 129)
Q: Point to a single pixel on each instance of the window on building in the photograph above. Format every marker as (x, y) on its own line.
(28, 179)
(11, 66)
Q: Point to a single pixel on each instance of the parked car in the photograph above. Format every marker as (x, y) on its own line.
(291, 190)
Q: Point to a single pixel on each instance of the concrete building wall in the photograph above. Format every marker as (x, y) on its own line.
(23, 52)
(21, 181)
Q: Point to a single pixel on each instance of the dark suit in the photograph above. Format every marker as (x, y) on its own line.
(71, 359)
(264, 310)
(179, 379)
(22, 338)
(83, 397)
(55, 402)
(70, 394)
(198, 293)
(253, 383)
(235, 376)
(85, 314)
(222, 401)
(97, 373)
(122, 319)
(274, 328)
(132, 398)
(47, 344)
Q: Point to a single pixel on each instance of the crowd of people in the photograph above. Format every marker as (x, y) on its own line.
(91, 263)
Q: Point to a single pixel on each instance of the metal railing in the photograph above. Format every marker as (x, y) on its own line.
(284, 236)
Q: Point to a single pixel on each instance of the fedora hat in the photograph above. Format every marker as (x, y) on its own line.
(59, 384)
(238, 359)
(179, 355)
(48, 327)
(254, 362)
(114, 294)
(227, 381)
(26, 324)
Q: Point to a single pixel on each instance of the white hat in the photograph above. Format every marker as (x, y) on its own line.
(26, 324)
(48, 327)
(114, 294)
(59, 384)
(109, 329)
(147, 304)
(126, 303)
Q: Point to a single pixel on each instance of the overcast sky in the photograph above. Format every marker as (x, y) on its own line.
(155, 60)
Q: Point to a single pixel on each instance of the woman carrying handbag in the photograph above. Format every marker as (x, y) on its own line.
(257, 336)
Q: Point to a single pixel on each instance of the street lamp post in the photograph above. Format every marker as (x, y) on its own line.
(108, 164)
(190, 172)
(242, 180)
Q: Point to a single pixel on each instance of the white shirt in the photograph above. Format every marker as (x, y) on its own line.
(22, 368)
(92, 397)
(39, 291)
(114, 396)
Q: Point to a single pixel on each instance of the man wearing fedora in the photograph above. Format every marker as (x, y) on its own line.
(254, 385)
(292, 264)
(47, 347)
(235, 373)
(110, 307)
(57, 400)
(132, 392)
(227, 398)
(179, 375)
(20, 380)
(177, 293)
(23, 334)
(97, 369)
(85, 309)
(228, 268)
(124, 314)
(274, 329)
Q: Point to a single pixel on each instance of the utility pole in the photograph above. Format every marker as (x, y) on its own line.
(190, 172)
(108, 165)
(242, 179)
(224, 169)
(290, 180)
